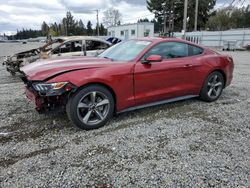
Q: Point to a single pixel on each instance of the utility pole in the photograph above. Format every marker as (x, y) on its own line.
(164, 18)
(172, 19)
(97, 25)
(185, 16)
(196, 15)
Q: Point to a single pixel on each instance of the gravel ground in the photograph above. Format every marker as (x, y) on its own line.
(183, 144)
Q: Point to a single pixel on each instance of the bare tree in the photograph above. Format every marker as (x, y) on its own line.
(112, 17)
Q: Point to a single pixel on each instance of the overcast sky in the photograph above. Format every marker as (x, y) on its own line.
(18, 14)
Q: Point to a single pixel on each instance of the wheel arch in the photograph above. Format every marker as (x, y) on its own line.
(215, 70)
(100, 84)
(223, 74)
(220, 71)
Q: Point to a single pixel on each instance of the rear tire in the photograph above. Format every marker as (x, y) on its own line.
(91, 107)
(213, 87)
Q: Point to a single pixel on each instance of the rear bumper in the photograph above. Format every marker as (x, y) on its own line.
(229, 73)
(229, 80)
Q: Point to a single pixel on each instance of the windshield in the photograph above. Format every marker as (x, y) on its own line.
(125, 51)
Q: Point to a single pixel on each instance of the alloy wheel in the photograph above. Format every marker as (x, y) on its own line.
(214, 86)
(93, 108)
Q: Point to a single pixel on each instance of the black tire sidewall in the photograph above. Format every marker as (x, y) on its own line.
(204, 93)
(72, 104)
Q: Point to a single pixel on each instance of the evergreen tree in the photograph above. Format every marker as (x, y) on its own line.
(89, 28)
(60, 30)
(53, 30)
(225, 19)
(157, 26)
(44, 29)
(68, 26)
(173, 10)
(81, 28)
(102, 30)
(143, 20)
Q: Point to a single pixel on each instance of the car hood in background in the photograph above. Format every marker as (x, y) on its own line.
(43, 69)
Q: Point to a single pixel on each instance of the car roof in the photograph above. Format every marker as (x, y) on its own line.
(73, 38)
(157, 39)
(165, 39)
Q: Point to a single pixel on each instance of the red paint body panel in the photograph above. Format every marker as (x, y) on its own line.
(134, 83)
(119, 78)
(167, 79)
(43, 69)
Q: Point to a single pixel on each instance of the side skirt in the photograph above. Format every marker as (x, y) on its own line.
(158, 103)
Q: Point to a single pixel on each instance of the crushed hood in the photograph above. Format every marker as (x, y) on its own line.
(44, 69)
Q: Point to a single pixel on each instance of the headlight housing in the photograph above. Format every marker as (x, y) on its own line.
(51, 88)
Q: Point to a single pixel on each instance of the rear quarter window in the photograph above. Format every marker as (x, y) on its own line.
(194, 50)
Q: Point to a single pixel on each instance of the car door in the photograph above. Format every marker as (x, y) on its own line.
(174, 76)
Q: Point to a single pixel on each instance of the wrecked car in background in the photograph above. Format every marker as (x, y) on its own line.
(66, 46)
(114, 40)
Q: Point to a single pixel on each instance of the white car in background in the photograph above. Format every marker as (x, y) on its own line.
(80, 46)
(63, 46)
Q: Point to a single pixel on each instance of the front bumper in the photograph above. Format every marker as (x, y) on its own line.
(50, 101)
(44, 104)
(35, 98)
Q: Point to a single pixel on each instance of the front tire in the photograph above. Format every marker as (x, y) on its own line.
(91, 107)
(212, 87)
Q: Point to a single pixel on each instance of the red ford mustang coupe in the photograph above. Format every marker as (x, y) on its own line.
(130, 75)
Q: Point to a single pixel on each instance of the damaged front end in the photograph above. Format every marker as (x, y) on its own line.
(48, 96)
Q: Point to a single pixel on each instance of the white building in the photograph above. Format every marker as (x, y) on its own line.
(130, 31)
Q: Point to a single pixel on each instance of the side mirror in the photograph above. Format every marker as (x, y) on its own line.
(152, 58)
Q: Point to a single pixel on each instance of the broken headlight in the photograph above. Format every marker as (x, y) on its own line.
(52, 88)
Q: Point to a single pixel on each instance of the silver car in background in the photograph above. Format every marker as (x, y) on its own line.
(63, 46)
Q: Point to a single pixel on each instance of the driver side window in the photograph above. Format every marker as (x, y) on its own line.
(168, 50)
